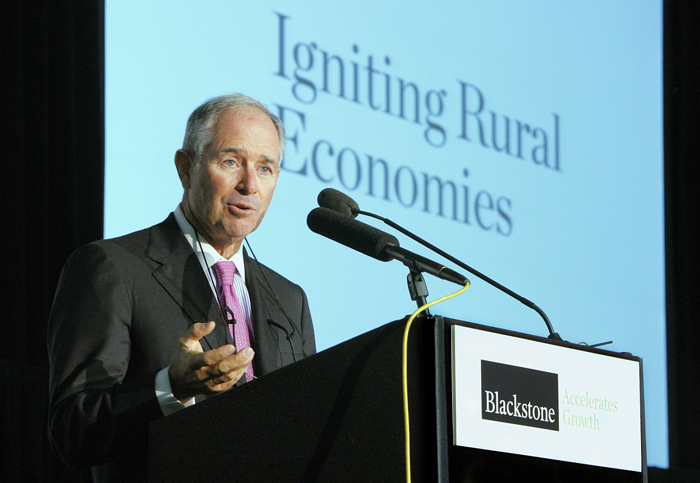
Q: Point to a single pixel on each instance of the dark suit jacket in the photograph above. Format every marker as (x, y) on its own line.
(120, 308)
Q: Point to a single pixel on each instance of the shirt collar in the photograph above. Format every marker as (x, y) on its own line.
(206, 254)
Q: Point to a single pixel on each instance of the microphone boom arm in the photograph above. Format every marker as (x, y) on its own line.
(523, 300)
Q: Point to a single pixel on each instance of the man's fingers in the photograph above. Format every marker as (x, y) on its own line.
(236, 361)
(198, 372)
(215, 356)
(207, 362)
(230, 367)
(190, 339)
(197, 331)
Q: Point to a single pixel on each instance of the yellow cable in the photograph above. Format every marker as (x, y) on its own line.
(407, 428)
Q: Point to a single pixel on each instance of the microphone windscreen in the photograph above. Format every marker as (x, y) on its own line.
(351, 233)
(338, 201)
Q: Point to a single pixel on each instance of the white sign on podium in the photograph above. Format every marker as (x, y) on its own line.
(519, 396)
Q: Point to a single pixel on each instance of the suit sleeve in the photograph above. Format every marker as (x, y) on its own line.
(93, 412)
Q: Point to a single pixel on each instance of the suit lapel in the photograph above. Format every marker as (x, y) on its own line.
(181, 275)
(267, 318)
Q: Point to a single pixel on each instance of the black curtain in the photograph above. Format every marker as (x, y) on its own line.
(52, 198)
(682, 192)
(53, 171)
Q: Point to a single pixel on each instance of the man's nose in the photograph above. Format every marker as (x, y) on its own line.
(248, 183)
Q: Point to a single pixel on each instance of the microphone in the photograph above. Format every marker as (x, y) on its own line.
(346, 206)
(374, 243)
(351, 233)
(338, 201)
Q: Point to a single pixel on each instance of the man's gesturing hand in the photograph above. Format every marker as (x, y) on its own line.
(198, 372)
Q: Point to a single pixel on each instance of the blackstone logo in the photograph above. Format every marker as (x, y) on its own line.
(518, 395)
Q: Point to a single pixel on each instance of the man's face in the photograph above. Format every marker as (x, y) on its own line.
(227, 196)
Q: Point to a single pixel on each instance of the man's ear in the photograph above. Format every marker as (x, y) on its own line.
(183, 163)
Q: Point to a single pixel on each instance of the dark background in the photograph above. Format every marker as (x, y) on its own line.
(52, 176)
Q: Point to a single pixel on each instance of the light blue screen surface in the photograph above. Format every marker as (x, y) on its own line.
(524, 138)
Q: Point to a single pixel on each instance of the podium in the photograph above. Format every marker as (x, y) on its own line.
(338, 416)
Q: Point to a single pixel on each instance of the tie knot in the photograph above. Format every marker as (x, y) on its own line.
(225, 270)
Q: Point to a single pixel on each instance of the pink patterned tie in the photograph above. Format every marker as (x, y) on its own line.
(225, 272)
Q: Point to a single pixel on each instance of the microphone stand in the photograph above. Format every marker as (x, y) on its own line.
(523, 300)
(418, 288)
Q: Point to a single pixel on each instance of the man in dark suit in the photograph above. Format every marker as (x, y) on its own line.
(138, 328)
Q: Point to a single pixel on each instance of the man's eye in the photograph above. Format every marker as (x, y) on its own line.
(266, 170)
